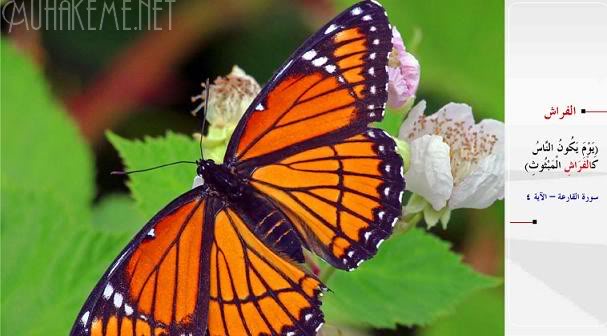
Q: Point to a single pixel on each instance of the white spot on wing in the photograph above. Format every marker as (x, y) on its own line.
(107, 292)
(373, 28)
(320, 61)
(357, 11)
(118, 300)
(85, 318)
(388, 168)
(373, 89)
(308, 317)
(331, 29)
(376, 42)
(367, 235)
(152, 233)
(379, 243)
(372, 71)
(330, 68)
(309, 55)
(372, 56)
(367, 18)
(128, 310)
(387, 191)
(259, 107)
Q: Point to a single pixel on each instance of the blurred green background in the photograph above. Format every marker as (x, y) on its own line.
(139, 82)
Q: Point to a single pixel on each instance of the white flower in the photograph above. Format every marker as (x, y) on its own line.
(229, 98)
(455, 163)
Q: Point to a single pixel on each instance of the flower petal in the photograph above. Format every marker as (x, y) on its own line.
(430, 172)
(408, 130)
(443, 122)
(496, 128)
(456, 112)
(229, 98)
(398, 93)
(483, 186)
(403, 73)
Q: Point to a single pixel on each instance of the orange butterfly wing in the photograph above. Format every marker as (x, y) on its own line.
(336, 83)
(306, 145)
(198, 268)
(159, 283)
(343, 198)
(253, 290)
(202, 266)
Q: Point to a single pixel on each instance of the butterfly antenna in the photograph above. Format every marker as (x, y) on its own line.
(204, 97)
(153, 168)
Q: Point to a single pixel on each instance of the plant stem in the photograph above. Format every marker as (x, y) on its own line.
(408, 222)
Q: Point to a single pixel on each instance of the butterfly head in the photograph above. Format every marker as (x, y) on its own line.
(204, 166)
(220, 178)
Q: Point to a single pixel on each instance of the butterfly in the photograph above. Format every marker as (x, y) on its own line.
(303, 171)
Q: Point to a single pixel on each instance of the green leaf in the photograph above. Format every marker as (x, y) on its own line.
(154, 190)
(413, 280)
(41, 148)
(480, 315)
(51, 255)
(117, 214)
(48, 267)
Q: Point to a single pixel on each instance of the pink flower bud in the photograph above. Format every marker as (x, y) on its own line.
(403, 73)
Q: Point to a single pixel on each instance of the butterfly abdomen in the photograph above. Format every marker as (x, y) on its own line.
(273, 227)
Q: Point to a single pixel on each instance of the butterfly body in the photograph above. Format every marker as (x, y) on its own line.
(303, 171)
(222, 181)
(272, 226)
